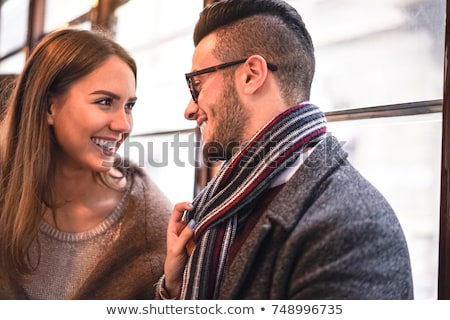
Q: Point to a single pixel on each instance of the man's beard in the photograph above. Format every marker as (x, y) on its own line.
(231, 118)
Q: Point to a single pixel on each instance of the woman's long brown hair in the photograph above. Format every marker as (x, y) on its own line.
(27, 144)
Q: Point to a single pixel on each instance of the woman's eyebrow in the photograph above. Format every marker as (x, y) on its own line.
(108, 93)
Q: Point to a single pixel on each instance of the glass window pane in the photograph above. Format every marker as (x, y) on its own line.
(402, 158)
(168, 158)
(161, 87)
(13, 64)
(372, 53)
(58, 13)
(160, 39)
(13, 25)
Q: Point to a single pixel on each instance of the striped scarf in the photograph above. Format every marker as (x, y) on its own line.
(222, 207)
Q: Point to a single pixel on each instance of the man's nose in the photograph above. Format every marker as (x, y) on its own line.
(190, 113)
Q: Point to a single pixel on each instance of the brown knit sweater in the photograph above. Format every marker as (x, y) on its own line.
(121, 258)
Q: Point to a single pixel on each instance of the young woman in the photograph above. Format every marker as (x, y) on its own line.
(76, 220)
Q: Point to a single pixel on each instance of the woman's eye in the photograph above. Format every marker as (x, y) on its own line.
(105, 101)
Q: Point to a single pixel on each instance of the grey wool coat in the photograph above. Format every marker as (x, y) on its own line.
(135, 261)
(328, 234)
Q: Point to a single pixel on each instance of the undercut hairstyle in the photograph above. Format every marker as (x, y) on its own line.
(270, 28)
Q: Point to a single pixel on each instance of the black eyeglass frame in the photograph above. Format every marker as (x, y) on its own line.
(191, 75)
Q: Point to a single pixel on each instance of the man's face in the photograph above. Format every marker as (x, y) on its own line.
(218, 112)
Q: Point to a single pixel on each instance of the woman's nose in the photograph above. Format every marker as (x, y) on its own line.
(122, 121)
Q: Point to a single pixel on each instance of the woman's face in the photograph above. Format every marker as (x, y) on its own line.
(93, 117)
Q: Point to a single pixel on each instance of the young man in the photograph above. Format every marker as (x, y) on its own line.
(286, 216)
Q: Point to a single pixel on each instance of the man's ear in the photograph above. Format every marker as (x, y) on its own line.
(255, 74)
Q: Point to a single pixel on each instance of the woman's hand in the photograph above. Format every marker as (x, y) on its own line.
(179, 234)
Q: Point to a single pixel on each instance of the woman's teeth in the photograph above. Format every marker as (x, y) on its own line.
(106, 145)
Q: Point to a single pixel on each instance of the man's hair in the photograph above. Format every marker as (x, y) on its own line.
(270, 28)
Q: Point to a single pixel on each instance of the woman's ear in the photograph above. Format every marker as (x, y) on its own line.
(51, 111)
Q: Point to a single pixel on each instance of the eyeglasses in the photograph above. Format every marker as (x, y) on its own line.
(190, 76)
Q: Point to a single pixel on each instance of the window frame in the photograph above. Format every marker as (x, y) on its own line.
(444, 233)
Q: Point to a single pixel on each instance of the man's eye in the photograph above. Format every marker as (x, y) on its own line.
(196, 84)
(130, 106)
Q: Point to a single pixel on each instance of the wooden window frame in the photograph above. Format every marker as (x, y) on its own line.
(444, 225)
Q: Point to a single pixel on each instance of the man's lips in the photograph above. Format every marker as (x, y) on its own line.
(201, 121)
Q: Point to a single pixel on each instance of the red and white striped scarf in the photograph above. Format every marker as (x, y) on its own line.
(222, 207)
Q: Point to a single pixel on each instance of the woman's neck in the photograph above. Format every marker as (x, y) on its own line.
(83, 201)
